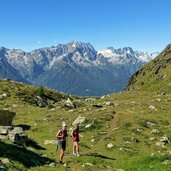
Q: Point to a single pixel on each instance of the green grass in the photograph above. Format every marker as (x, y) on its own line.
(116, 124)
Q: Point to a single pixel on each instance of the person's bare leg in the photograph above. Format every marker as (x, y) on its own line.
(61, 155)
(74, 148)
(77, 148)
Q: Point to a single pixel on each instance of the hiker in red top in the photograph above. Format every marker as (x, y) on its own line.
(61, 141)
(75, 139)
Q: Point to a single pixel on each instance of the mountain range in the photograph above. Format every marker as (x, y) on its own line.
(74, 68)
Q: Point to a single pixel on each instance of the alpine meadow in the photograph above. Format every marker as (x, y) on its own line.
(113, 94)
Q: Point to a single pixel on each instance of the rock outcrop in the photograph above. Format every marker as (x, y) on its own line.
(6, 117)
(15, 134)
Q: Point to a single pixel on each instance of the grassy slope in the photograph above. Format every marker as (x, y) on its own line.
(132, 112)
(155, 75)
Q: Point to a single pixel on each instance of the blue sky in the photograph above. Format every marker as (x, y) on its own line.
(141, 24)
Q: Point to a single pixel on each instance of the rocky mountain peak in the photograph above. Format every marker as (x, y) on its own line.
(75, 67)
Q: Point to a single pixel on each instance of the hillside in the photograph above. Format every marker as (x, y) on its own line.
(155, 75)
(127, 128)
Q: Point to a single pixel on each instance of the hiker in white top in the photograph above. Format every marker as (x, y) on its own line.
(61, 141)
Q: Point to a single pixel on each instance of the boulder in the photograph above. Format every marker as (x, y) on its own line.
(165, 140)
(103, 97)
(6, 117)
(151, 107)
(93, 140)
(79, 120)
(150, 124)
(21, 139)
(5, 161)
(89, 99)
(17, 130)
(53, 164)
(4, 130)
(89, 125)
(110, 145)
(160, 144)
(110, 103)
(41, 102)
(17, 136)
(155, 131)
(69, 104)
(89, 164)
(3, 96)
(152, 138)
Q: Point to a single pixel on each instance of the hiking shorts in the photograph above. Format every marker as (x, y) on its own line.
(61, 144)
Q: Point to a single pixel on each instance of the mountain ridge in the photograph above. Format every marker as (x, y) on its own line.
(83, 61)
(156, 72)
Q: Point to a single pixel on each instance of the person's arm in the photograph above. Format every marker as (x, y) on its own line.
(58, 135)
(73, 137)
(72, 134)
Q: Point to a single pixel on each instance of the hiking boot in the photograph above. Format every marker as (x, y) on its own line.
(61, 162)
(78, 154)
(74, 154)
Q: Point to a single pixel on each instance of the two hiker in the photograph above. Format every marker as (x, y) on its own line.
(62, 138)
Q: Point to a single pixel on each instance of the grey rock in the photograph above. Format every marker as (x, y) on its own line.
(165, 140)
(52, 164)
(155, 131)
(110, 145)
(110, 103)
(6, 117)
(89, 100)
(17, 136)
(102, 132)
(152, 139)
(4, 95)
(89, 125)
(160, 144)
(65, 165)
(79, 120)
(103, 97)
(5, 161)
(151, 107)
(150, 124)
(41, 102)
(169, 152)
(4, 130)
(89, 164)
(69, 104)
(17, 130)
